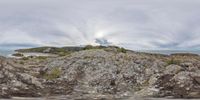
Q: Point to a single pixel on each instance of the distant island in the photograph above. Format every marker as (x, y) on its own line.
(62, 51)
(98, 72)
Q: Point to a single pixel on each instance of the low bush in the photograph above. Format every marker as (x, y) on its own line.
(173, 61)
(63, 53)
(121, 50)
(18, 55)
(53, 74)
(41, 57)
(25, 58)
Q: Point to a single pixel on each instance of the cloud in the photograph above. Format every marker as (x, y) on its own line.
(103, 42)
(134, 24)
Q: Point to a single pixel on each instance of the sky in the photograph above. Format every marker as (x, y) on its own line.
(133, 24)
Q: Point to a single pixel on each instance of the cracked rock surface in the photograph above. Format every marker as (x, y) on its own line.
(102, 74)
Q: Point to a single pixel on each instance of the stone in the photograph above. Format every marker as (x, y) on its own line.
(101, 74)
(172, 69)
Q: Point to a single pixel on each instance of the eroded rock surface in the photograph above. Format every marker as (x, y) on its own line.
(14, 82)
(102, 73)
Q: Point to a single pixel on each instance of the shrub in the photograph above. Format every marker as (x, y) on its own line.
(121, 50)
(18, 55)
(53, 74)
(173, 61)
(25, 58)
(42, 57)
(21, 62)
(63, 53)
(88, 47)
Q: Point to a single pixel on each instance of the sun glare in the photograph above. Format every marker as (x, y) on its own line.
(99, 34)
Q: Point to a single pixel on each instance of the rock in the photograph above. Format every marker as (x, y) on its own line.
(101, 73)
(197, 79)
(59, 87)
(147, 92)
(189, 66)
(173, 69)
(14, 83)
(47, 50)
(181, 85)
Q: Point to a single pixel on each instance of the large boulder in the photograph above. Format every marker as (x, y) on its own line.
(172, 69)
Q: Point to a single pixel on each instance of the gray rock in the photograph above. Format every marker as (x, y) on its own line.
(101, 74)
(14, 83)
(173, 69)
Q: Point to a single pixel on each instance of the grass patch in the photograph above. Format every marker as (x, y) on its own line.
(172, 61)
(53, 74)
(25, 58)
(63, 53)
(121, 50)
(18, 55)
(89, 47)
(41, 57)
(21, 62)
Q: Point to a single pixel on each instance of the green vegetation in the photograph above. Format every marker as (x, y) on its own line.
(21, 62)
(25, 58)
(63, 53)
(121, 50)
(41, 57)
(173, 61)
(184, 54)
(89, 47)
(18, 55)
(52, 50)
(53, 74)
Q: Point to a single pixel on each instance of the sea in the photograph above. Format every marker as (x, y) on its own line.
(6, 53)
(168, 52)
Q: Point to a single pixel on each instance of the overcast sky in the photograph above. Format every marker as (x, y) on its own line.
(134, 24)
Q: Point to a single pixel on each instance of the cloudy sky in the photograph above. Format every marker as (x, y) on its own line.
(134, 24)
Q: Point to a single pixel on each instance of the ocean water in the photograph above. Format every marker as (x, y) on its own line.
(168, 52)
(6, 53)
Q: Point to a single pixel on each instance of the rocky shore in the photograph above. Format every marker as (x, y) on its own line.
(107, 73)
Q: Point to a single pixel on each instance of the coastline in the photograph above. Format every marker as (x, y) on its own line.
(169, 52)
(9, 53)
(53, 51)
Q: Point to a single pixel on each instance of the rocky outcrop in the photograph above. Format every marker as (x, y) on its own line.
(14, 82)
(179, 83)
(107, 73)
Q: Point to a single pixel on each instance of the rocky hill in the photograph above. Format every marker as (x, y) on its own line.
(102, 73)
